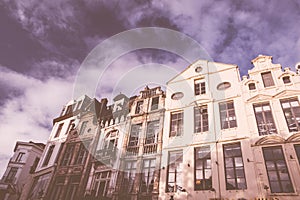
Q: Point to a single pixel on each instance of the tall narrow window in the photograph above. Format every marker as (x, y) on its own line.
(129, 176)
(82, 154)
(48, 156)
(176, 128)
(174, 178)
(152, 132)
(68, 155)
(58, 188)
(297, 149)
(20, 157)
(139, 107)
(203, 177)
(278, 174)
(73, 187)
(267, 79)
(101, 184)
(200, 119)
(154, 104)
(147, 178)
(264, 119)
(134, 135)
(199, 86)
(59, 129)
(71, 126)
(234, 167)
(83, 127)
(227, 115)
(10, 178)
(291, 110)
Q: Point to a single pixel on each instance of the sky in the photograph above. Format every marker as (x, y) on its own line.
(44, 43)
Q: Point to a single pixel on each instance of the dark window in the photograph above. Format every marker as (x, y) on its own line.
(278, 174)
(59, 129)
(71, 126)
(35, 163)
(68, 155)
(139, 107)
(223, 86)
(19, 157)
(147, 178)
(286, 79)
(174, 179)
(73, 187)
(129, 176)
(200, 119)
(203, 177)
(264, 119)
(101, 184)
(69, 109)
(251, 86)
(58, 188)
(176, 128)
(234, 167)
(291, 110)
(154, 104)
(152, 132)
(267, 79)
(83, 127)
(82, 154)
(199, 87)
(134, 135)
(227, 115)
(78, 104)
(11, 175)
(48, 156)
(297, 149)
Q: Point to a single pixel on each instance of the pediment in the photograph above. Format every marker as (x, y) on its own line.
(287, 73)
(250, 81)
(294, 138)
(259, 97)
(270, 139)
(287, 93)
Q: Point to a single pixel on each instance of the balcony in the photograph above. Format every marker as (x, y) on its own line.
(106, 155)
(150, 148)
(132, 150)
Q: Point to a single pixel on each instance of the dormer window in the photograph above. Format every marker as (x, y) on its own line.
(199, 86)
(286, 79)
(252, 86)
(267, 79)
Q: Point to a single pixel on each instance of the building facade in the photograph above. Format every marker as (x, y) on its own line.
(226, 138)
(19, 170)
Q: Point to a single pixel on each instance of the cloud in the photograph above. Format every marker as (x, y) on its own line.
(29, 108)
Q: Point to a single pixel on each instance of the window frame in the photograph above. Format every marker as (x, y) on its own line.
(152, 135)
(154, 103)
(19, 157)
(48, 155)
(139, 107)
(267, 119)
(149, 174)
(206, 168)
(176, 123)
(226, 124)
(133, 140)
(201, 116)
(58, 131)
(199, 87)
(292, 113)
(267, 79)
(177, 174)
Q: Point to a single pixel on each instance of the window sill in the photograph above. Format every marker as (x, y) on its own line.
(284, 194)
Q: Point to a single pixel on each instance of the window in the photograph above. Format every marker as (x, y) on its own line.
(223, 86)
(227, 115)
(58, 188)
(203, 177)
(82, 154)
(251, 86)
(174, 179)
(59, 129)
(267, 79)
(177, 96)
(264, 119)
(78, 104)
(278, 175)
(234, 167)
(19, 157)
(199, 87)
(154, 104)
(72, 188)
(34, 165)
(101, 184)
(286, 79)
(129, 176)
(297, 149)
(176, 124)
(83, 127)
(68, 155)
(11, 175)
(152, 132)
(69, 109)
(147, 178)
(71, 126)
(200, 119)
(48, 156)
(291, 110)
(134, 135)
(139, 107)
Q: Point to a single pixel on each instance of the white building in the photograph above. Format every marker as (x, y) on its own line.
(19, 169)
(226, 138)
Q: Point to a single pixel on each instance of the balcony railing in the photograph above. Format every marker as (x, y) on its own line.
(106, 154)
(132, 150)
(150, 148)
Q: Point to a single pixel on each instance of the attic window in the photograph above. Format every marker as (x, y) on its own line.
(267, 79)
(177, 95)
(198, 69)
(223, 86)
(286, 79)
(251, 86)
